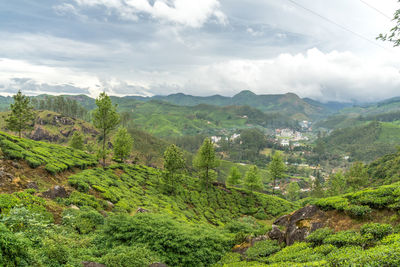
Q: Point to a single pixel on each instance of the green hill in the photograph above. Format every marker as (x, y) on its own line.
(97, 217)
(164, 120)
(365, 142)
(289, 104)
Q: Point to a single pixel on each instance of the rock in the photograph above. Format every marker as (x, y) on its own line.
(55, 192)
(16, 165)
(6, 176)
(74, 207)
(39, 134)
(282, 221)
(158, 264)
(92, 264)
(110, 204)
(141, 210)
(32, 185)
(276, 234)
(298, 225)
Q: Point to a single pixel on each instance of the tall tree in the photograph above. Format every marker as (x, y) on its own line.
(276, 168)
(77, 140)
(206, 161)
(357, 176)
(252, 179)
(173, 165)
(234, 177)
(21, 116)
(293, 191)
(123, 143)
(106, 119)
(337, 184)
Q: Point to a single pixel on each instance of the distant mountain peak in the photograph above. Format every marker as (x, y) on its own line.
(245, 93)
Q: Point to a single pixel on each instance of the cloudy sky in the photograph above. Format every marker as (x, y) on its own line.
(321, 49)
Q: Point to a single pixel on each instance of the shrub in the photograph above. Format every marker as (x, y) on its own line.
(262, 249)
(358, 211)
(345, 238)
(85, 220)
(333, 203)
(14, 249)
(318, 236)
(377, 230)
(178, 244)
(298, 252)
(78, 184)
(33, 162)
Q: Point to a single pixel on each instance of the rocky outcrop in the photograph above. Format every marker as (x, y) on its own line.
(92, 264)
(298, 225)
(57, 191)
(39, 134)
(32, 185)
(141, 210)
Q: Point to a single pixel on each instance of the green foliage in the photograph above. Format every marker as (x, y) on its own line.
(177, 244)
(206, 161)
(293, 191)
(14, 249)
(105, 118)
(173, 165)
(84, 220)
(123, 143)
(133, 186)
(262, 249)
(377, 230)
(345, 238)
(55, 158)
(77, 141)
(318, 236)
(337, 184)
(276, 168)
(21, 116)
(124, 256)
(234, 177)
(252, 180)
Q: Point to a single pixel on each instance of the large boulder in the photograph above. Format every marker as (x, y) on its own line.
(298, 225)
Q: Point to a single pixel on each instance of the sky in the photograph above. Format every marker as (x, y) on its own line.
(325, 50)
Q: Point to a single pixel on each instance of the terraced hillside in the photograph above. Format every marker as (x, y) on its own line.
(80, 212)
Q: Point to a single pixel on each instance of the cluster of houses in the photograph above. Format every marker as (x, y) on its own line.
(287, 136)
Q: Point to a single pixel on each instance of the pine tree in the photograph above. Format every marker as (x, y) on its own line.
(276, 168)
(293, 191)
(173, 165)
(21, 116)
(106, 119)
(234, 177)
(123, 143)
(206, 161)
(252, 179)
(337, 184)
(77, 140)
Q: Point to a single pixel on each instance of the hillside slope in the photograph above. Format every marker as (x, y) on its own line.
(365, 142)
(116, 215)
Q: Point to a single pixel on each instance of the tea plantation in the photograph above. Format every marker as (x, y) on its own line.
(54, 158)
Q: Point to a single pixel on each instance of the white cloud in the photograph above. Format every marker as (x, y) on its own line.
(333, 76)
(340, 76)
(191, 13)
(34, 78)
